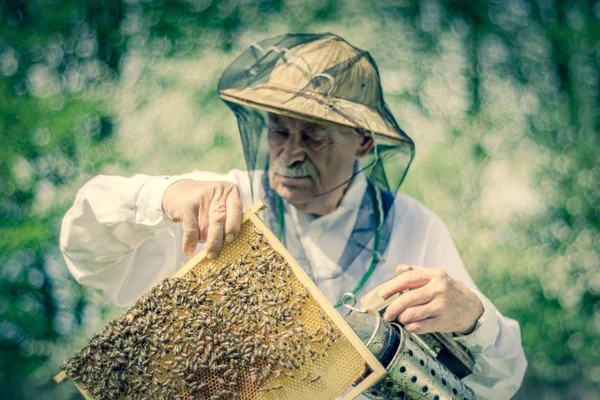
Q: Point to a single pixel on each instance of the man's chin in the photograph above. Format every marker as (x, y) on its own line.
(297, 190)
(293, 195)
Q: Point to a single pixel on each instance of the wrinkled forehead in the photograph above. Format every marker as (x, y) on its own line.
(334, 132)
(292, 123)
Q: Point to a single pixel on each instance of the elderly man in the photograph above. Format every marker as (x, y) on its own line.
(326, 155)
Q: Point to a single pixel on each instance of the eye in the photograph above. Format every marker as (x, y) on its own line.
(277, 136)
(280, 133)
(312, 138)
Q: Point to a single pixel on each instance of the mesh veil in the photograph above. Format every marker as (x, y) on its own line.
(319, 78)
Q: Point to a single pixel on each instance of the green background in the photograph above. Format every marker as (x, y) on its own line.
(500, 97)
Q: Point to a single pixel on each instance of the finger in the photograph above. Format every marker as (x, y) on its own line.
(202, 226)
(190, 233)
(407, 280)
(408, 299)
(424, 326)
(233, 218)
(216, 224)
(402, 268)
(416, 314)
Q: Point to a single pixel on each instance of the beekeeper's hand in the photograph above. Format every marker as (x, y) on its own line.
(210, 212)
(434, 303)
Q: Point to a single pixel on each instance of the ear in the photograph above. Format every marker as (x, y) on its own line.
(366, 143)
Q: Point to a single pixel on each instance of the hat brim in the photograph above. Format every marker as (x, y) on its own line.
(312, 107)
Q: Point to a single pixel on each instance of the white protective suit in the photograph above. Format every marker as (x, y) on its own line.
(117, 239)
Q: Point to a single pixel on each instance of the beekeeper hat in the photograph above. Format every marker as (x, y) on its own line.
(319, 78)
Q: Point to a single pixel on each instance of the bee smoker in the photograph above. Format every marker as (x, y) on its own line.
(418, 366)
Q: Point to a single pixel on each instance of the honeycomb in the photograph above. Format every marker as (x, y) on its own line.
(342, 366)
(281, 347)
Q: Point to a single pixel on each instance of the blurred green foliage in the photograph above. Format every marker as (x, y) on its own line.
(501, 98)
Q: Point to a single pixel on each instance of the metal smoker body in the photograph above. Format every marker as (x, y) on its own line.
(418, 366)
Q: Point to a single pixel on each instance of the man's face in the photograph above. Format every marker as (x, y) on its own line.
(308, 160)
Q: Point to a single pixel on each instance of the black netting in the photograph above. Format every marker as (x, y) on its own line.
(322, 79)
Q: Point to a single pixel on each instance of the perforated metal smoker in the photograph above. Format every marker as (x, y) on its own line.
(347, 358)
(412, 372)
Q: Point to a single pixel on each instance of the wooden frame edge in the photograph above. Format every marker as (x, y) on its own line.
(366, 383)
(378, 371)
(58, 378)
(62, 375)
(84, 392)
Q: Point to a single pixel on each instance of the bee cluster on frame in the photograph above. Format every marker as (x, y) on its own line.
(222, 333)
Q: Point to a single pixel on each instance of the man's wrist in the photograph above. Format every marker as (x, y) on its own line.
(476, 324)
(485, 334)
(478, 320)
(149, 210)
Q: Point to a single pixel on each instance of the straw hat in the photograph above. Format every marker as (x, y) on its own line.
(327, 81)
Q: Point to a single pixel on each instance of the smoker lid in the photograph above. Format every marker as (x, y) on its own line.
(365, 325)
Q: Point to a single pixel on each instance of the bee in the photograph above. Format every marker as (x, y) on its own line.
(329, 342)
(288, 324)
(253, 376)
(317, 339)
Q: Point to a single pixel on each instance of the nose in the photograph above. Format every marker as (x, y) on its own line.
(291, 150)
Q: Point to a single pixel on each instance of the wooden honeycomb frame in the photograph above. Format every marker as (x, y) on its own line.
(348, 358)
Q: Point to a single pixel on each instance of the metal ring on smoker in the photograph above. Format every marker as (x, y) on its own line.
(349, 301)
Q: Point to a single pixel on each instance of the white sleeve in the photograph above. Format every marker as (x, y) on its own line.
(116, 237)
(500, 361)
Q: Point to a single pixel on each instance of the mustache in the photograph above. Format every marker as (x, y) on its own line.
(298, 169)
